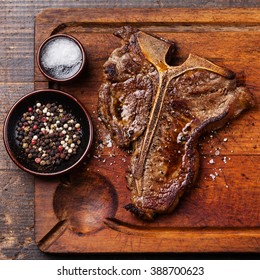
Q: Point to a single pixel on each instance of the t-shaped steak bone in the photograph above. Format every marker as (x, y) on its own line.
(150, 47)
(162, 110)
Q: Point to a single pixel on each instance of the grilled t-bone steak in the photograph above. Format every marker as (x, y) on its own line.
(161, 111)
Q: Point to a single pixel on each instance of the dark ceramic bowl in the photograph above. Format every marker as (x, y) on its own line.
(59, 55)
(71, 105)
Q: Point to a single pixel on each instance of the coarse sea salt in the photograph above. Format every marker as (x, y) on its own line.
(61, 58)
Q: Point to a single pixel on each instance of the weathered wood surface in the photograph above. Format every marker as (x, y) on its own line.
(225, 200)
(16, 79)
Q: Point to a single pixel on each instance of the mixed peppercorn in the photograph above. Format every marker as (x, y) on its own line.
(48, 134)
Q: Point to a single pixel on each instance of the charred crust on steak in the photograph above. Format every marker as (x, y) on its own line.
(161, 111)
(137, 212)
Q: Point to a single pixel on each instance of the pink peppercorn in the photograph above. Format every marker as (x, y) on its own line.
(60, 148)
(37, 160)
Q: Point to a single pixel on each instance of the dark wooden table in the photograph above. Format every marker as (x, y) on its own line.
(16, 79)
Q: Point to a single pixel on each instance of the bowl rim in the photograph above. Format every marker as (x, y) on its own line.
(5, 132)
(38, 57)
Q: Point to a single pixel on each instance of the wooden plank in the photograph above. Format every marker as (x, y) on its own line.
(15, 223)
(10, 93)
(231, 37)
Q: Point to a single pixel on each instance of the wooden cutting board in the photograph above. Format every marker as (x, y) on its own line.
(221, 213)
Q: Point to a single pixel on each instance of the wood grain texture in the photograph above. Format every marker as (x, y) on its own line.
(16, 79)
(226, 37)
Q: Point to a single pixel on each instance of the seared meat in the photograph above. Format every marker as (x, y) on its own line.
(162, 111)
(130, 84)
